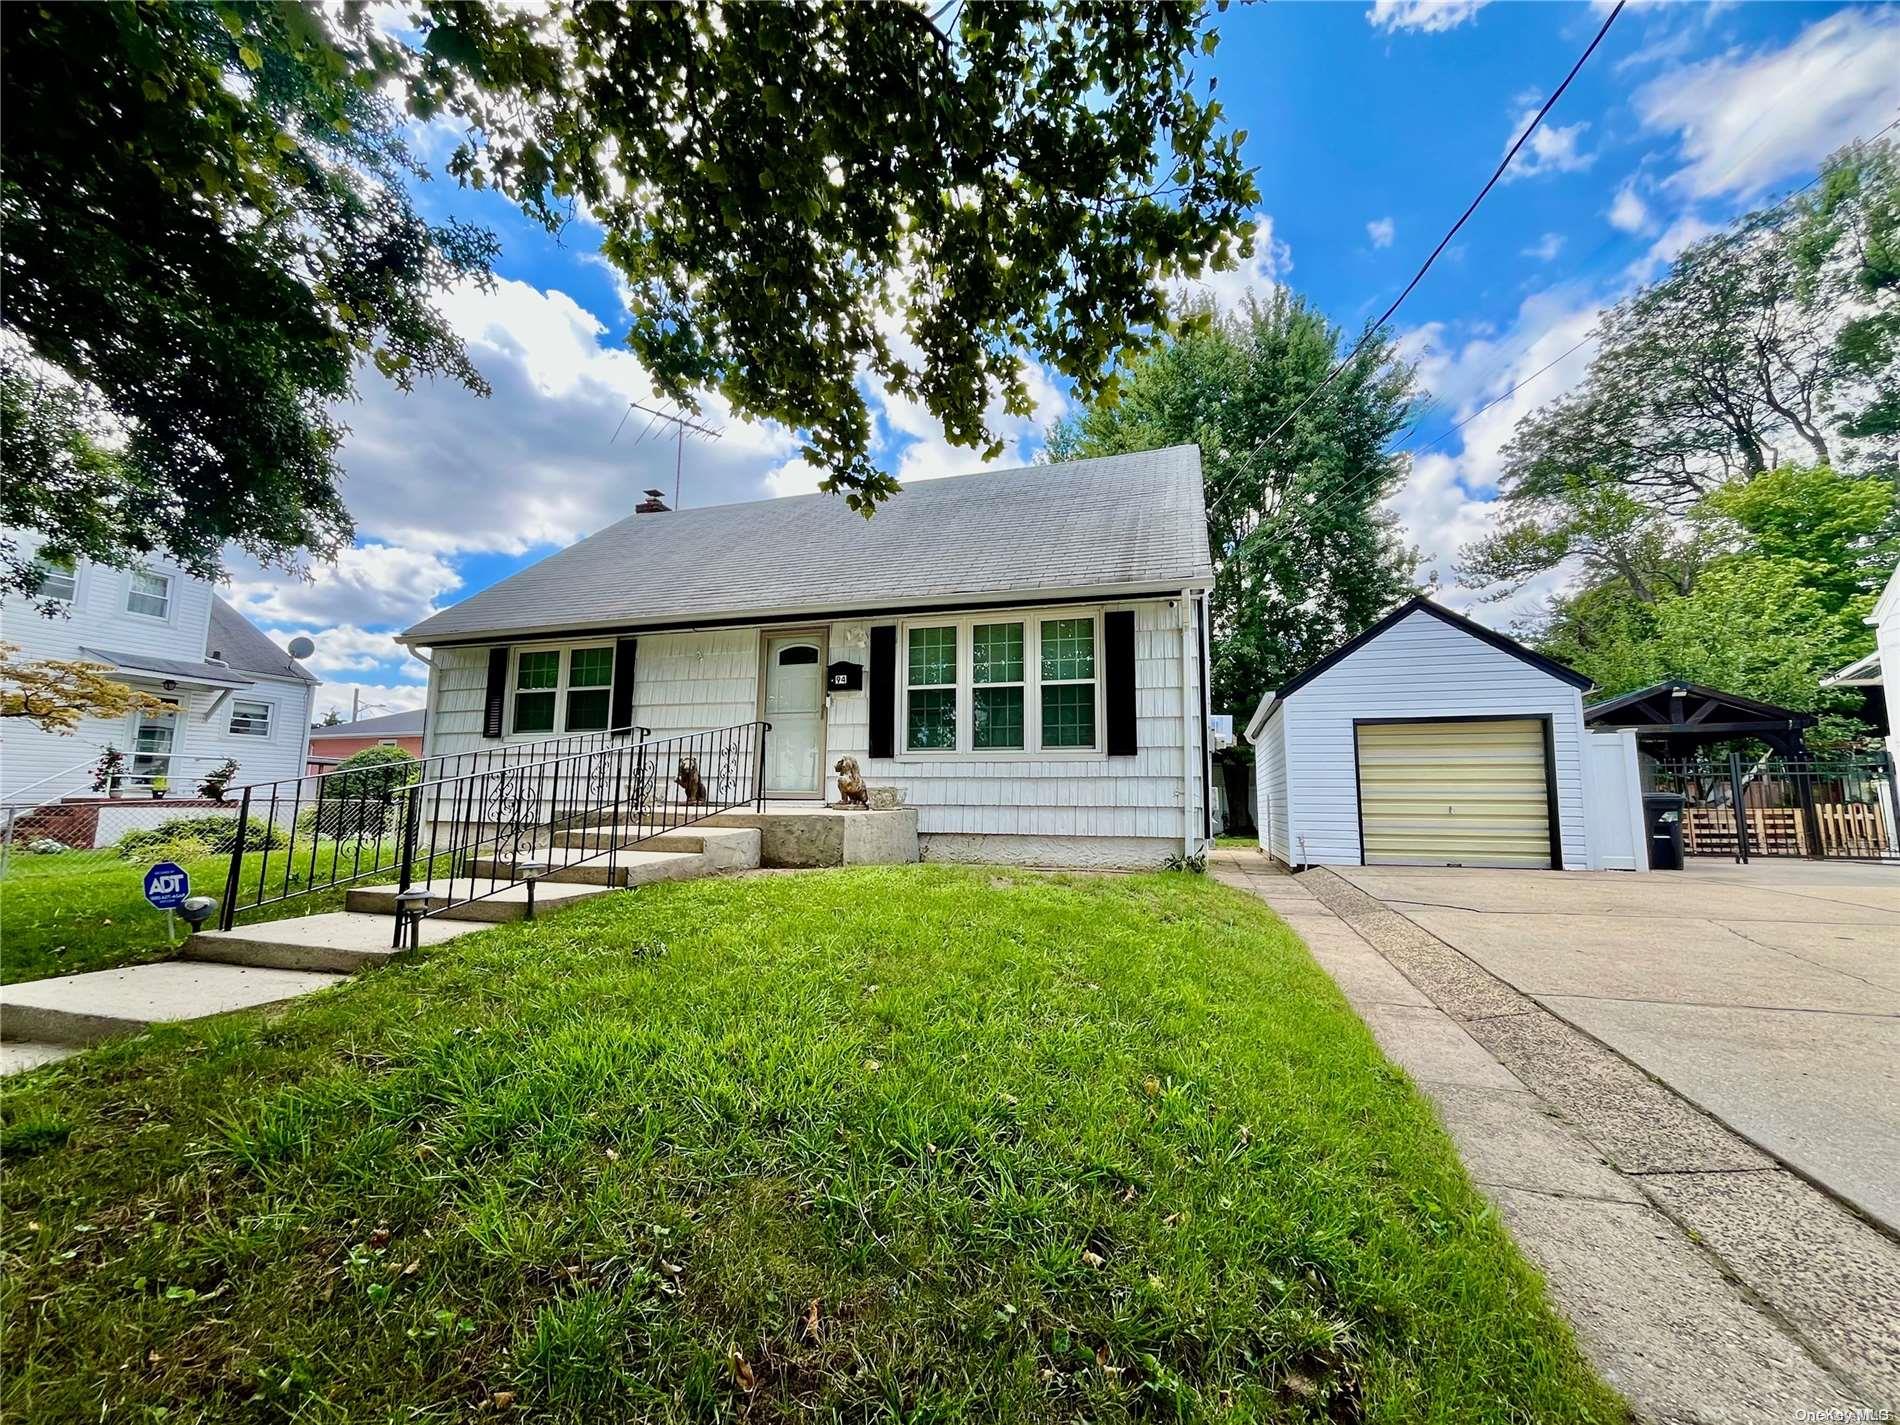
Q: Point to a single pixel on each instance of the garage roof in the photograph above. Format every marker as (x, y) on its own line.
(1416, 604)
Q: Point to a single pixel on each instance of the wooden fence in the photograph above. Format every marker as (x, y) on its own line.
(1847, 829)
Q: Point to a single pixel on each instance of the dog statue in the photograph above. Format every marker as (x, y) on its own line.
(851, 789)
(691, 783)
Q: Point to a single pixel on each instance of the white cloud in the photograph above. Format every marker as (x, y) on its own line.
(1450, 497)
(1629, 213)
(367, 585)
(1428, 16)
(1551, 149)
(1746, 120)
(1257, 275)
(1381, 231)
(1684, 232)
(1546, 248)
(373, 699)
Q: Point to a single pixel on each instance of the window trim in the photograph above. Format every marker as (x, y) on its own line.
(270, 717)
(964, 622)
(564, 654)
(70, 600)
(131, 589)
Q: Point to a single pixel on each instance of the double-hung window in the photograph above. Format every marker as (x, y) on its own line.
(537, 688)
(250, 718)
(930, 721)
(1068, 682)
(590, 683)
(997, 675)
(563, 689)
(59, 580)
(149, 594)
(996, 684)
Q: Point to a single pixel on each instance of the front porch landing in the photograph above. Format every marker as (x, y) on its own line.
(810, 834)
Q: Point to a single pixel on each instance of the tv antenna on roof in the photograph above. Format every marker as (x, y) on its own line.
(681, 424)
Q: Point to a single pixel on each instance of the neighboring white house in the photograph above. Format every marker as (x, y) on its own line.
(232, 693)
(1022, 654)
(1871, 671)
(1432, 740)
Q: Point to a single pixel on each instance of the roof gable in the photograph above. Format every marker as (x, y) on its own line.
(1419, 604)
(1120, 521)
(245, 646)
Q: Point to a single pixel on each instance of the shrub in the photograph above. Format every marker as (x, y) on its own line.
(211, 835)
(358, 800)
(217, 779)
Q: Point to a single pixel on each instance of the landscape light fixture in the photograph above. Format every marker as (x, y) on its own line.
(196, 910)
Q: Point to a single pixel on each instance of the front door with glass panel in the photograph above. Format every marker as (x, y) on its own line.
(795, 706)
(153, 742)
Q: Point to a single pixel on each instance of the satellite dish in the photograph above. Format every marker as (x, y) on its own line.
(301, 647)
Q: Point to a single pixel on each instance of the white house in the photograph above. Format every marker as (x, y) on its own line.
(1022, 654)
(230, 691)
(1872, 671)
(1432, 740)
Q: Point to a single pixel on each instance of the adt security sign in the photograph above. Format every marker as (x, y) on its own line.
(167, 885)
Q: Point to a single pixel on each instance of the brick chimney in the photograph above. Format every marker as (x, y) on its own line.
(653, 504)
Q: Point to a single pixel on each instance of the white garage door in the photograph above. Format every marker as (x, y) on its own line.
(1454, 793)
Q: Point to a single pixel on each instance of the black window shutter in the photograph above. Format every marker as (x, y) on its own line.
(495, 708)
(883, 690)
(620, 710)
(1118, 680)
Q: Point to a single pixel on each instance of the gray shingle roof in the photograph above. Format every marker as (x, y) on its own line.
(1115, 522)
(396, 724)
(214, 675)
(245, 646)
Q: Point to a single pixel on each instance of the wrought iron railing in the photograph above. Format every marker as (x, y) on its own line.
(1839, 807)
(335, 828)
(469, 837)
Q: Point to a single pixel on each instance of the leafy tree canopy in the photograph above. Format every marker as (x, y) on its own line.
(799, 194)
(205, 228)
(1304, 555)
(55, 694)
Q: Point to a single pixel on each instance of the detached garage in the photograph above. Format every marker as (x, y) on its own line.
(1428, 740)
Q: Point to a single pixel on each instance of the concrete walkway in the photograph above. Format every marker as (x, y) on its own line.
(1705, 1282)
(1766, 994)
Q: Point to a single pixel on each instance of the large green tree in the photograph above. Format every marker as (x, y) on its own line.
(1304, 554)
(800, 194)
(206, 229)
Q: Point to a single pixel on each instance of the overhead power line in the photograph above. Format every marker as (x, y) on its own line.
(1451, 233)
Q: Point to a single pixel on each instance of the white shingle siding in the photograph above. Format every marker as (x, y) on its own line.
(1421, 667)
(1087, 810)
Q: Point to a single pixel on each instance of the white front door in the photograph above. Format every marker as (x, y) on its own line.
(154, 740)
(795, 706)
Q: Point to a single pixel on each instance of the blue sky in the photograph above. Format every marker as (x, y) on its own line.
(1371, 127)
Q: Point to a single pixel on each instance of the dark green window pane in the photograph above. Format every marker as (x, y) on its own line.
(933, 656)
(539, 670)
(933, 721)
(590, 668)
(587, 710)
(1068, 649)
(534, 712)
(996, 653)
(997, 718)
(1068, 715)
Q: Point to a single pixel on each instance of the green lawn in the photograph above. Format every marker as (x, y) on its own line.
(65, 914)
(894, 1143)
(1237, 843)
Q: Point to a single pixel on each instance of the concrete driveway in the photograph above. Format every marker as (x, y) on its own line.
(1767, 994)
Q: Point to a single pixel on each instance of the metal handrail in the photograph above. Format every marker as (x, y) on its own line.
(360, 813)
(556, 813)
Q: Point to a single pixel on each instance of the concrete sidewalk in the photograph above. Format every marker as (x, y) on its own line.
(1706, 1283)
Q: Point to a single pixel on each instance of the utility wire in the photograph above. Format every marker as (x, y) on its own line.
(1253, 541)
(1445, 241)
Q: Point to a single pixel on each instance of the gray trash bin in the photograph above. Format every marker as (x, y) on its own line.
(1662, 816)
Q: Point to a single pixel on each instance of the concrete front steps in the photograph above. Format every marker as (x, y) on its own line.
(273, 961)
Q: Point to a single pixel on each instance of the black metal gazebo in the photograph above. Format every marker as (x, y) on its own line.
(1676, 720)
